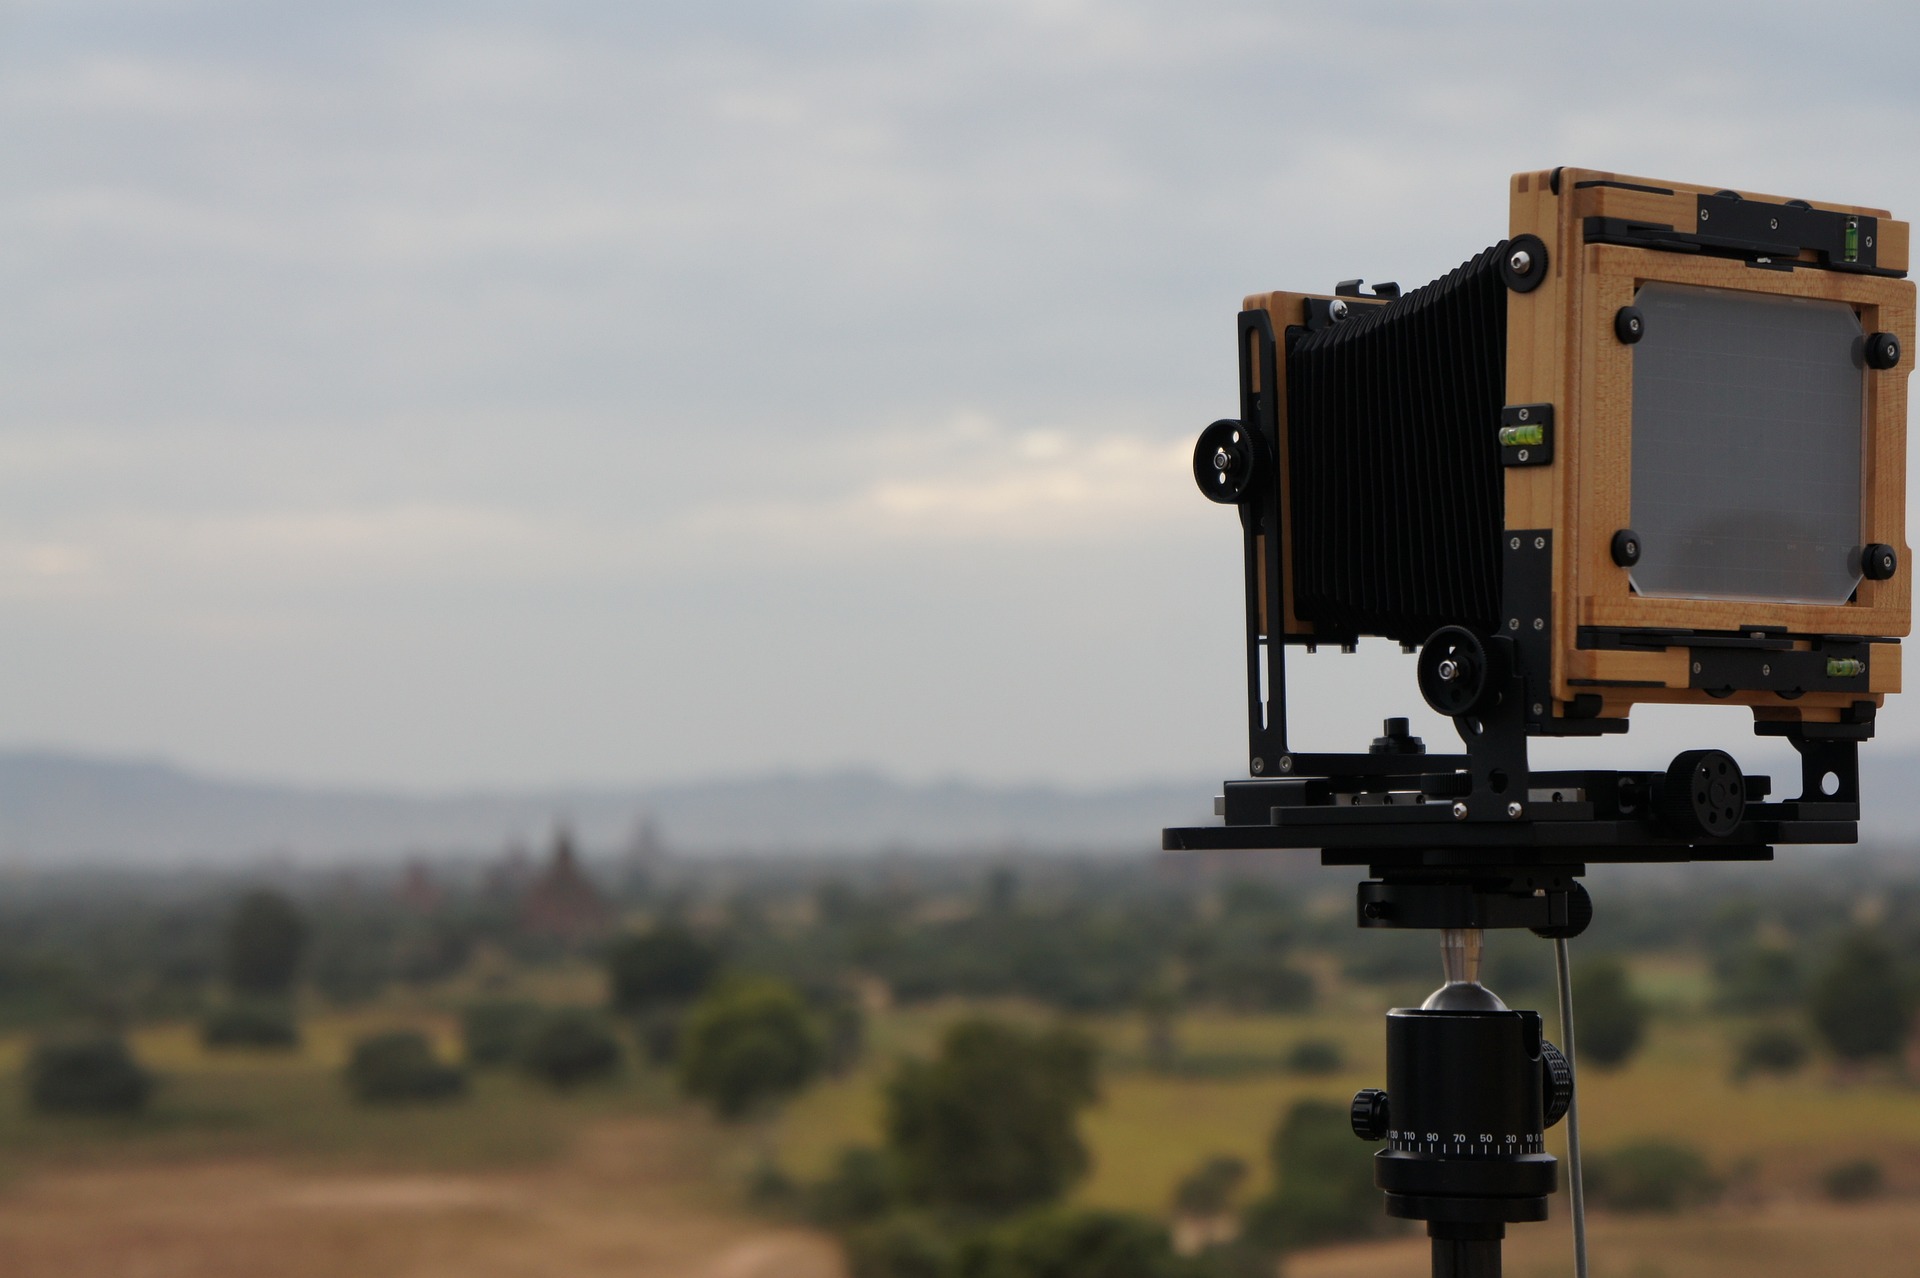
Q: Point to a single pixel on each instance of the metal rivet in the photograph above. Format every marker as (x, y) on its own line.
(1514, 809)
(1539, 543)
(1459, 811)
(1521, 261)
(1338, 309)
(1258, 766)
(1286, 763)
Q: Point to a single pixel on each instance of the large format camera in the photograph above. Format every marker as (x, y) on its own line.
(1651, 447)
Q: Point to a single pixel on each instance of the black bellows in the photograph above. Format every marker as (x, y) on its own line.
(1393, 456)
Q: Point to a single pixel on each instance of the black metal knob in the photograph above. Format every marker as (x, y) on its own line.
(1703, 794)
(1879, 561)
(1369, 1114)
(1454, 671)
(1557, 1076)
(1579, 914)
(1229, 461)
(1629, 325)
(1883, 350)
(1626, 548)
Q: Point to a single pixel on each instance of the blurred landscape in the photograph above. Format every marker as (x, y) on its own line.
(615, 1055)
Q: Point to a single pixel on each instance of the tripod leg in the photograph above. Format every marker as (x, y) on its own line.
(1465, 1251)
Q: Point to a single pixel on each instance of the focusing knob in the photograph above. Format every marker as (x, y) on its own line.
(1369, 1113)
(1557, 1075)
(1454, 672)
(1879, 561)
(1703, 794)
(1229, 461)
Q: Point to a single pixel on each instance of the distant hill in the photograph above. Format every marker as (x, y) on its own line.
(59, 808)
(64, 808)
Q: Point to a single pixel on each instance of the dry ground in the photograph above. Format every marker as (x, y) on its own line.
(621, 1202)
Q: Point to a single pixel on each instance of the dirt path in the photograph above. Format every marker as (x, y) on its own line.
(620, 1204)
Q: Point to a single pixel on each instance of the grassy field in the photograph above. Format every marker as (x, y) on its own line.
(625, 1178)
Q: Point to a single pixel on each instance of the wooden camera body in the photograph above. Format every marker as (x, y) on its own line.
(1651, 447)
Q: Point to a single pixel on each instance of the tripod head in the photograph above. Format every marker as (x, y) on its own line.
(1649, 448)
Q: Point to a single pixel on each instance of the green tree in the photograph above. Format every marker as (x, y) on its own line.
(748, 1045)
(1074, 1244)
(990, 1124)
(1858, 1001)
(569, 1046)
(266, 938)
(1609, 1019)
(96, 1075)
(399, 1066)
(667, 966)
(1323, 1182)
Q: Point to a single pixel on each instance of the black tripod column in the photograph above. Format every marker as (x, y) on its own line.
(1466, 1251)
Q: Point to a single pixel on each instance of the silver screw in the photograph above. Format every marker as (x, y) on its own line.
(1869, 241)
(1523, 414)
(1448, 670)
(1773, 224)
(1286, 763)
(1766, 670)
(1515, 543)
(1258, 766)
(1538, 709)
(1539, 623)
(1338, 309)
(1633, 550)
(1521, 455)
(1696, 667)
(1521, 261)
(1703, 215)
(1220, 459)
(1513, 623)
(1539, 543)
(1514, 809)
(1459, 811)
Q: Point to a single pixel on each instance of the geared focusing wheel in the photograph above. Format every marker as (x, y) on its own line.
(1454, 673)
(1229, 461)
(1704, 793)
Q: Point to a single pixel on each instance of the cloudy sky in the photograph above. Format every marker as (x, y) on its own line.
(430, 394)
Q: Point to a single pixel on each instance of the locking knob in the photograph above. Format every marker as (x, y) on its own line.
(1369, 1114)
(1557, 1074)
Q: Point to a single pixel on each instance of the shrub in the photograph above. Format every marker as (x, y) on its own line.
(1609, 1019)
(748, 1045)
(494, 1033)
(860, 1188)
(1083, 1243)
(990, 1125)
(1208, 1189)
(899, 1246)
(1324, 1182)
(569, 1046)
(251, 1024)
(266, 937)
(399, 1066)
(666, 966)
(87, 1076)
(658, 1032)
(1652, 1175)
(1315, 1056)
(1771, 1049)
(1852, 1182)
(1860, 1004)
